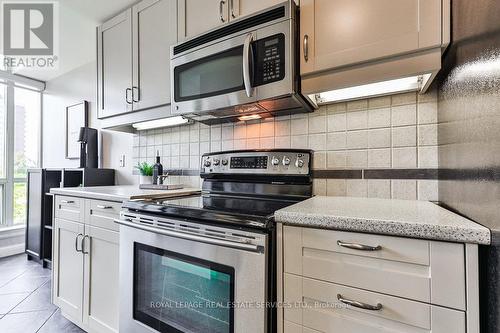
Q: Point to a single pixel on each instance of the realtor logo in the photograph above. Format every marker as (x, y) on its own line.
(29, 34)
(28, 28)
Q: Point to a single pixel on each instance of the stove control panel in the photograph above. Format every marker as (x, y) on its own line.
(264, 162)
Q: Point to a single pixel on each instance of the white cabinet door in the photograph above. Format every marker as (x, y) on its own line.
(346, 32)
(198, 16)
(68, 268)
(154, 25)
(114, 65)
(101, 280)
(239, 8)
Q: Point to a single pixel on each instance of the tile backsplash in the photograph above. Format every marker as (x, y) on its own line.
(390, 132)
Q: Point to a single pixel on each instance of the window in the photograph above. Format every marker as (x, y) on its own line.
(20, 125)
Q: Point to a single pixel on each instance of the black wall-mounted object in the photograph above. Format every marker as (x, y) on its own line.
(39, 211)
(88, 147)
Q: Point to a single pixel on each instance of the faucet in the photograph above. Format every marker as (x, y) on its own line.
(161, 178)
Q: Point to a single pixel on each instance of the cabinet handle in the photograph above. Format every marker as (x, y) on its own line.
(83, 244)
(126, 95)
(67, 201)
(104, 207)
(231, 4)
(361, 247)
(76, 242)
(359, 305)
(134, 95)
(306, 47)
(221, 4)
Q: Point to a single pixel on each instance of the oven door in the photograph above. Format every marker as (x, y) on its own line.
(176, 282)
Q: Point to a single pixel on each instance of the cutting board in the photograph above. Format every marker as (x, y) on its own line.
(160, 194)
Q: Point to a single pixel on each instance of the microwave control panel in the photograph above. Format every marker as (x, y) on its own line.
(270, 55)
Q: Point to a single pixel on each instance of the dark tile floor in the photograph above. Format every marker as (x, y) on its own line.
(25, 299)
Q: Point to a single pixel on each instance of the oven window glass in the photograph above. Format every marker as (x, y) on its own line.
(210, 76)
(178, 293)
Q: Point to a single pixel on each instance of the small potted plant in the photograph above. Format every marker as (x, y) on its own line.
(146, 172)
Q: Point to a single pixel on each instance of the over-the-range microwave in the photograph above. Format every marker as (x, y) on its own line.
(245, 69)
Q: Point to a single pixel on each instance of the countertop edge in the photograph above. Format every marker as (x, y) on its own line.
(88, 195)
(479, 235)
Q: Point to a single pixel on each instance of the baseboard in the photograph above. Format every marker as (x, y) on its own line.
(11, 250)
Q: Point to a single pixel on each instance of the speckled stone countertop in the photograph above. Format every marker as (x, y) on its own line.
(407, 218)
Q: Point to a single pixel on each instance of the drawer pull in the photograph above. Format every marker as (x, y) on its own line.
(76, 242)
(67, 201)
(359, 305)
(360, 247)
(104, 207)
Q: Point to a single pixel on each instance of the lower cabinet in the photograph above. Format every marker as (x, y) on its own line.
(85, 272)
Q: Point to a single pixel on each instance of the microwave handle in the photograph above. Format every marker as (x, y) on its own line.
(247, 61)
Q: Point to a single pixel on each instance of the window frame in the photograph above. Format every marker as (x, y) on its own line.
(7, 184)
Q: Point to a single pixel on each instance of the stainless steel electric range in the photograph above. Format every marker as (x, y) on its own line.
(206, 263)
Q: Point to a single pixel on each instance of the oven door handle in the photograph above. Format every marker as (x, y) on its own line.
(247, 62)
(197, 238)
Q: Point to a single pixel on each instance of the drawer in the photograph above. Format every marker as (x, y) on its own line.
(69, 208)
(322, 311)
(103, 213)
(434, 270)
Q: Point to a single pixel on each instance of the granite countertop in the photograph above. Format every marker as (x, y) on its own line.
(407, 218)
(120, 192)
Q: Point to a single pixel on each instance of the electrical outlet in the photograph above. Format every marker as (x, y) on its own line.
(122, 161)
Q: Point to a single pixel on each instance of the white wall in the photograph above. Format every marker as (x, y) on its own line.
(68, 89)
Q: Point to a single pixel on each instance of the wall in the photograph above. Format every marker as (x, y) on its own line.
(68, 89)
(381, 147)
(469, 136)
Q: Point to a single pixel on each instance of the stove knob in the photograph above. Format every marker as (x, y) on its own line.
(207, 164)
(275, 161)
(299, 163)
(216, 161)
(224, 162)
(286, 160)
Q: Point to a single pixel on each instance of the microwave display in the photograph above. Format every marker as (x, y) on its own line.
(270, 55)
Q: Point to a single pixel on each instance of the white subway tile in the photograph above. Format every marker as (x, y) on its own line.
(336, 107)
(427, 135)
(404, 98)
(299, 126)
(356, 188)
(357, 139)
(282, 141)
(379, 138)
(299, 142)
(336, 140)
(175, 136)
(378, 118)
(267, 143)
(404, 189)
(336, 160)
(317, 141)
(282, 128)
(240, 132)
(427, 190)
(356, 159)
(194, 135)
(227, 133)
(184, 135)
(319, 186)
(335, 187)
(379, 188)
(184, 149)
(404, 157)
(317, 124)
(215, 146)
(427, 113)
(253, 143)
(204, 147)
(253, 130)
(227, 145)
(174, 162)
(240, 144)
(267, 128)
(404, 136)
(379, 102)
(184, 162)
(428, 157)
(404, 115)
(319, 160)
(357, 120)
(194, 148)
(215, 133)
(379, 158)
(337, 122)
(204, 134)
(361, 104)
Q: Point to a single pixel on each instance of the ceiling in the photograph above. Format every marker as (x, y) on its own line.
(77, 38)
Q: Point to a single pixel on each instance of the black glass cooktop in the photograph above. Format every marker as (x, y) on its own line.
(249, 211)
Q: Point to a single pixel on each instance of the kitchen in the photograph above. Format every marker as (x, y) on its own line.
(252, 166)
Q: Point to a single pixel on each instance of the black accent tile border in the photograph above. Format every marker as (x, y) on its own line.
(431, 174)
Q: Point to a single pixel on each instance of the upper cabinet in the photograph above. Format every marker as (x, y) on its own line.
(134, 58)
(336, 34)
(214, 13)
(114, 60)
